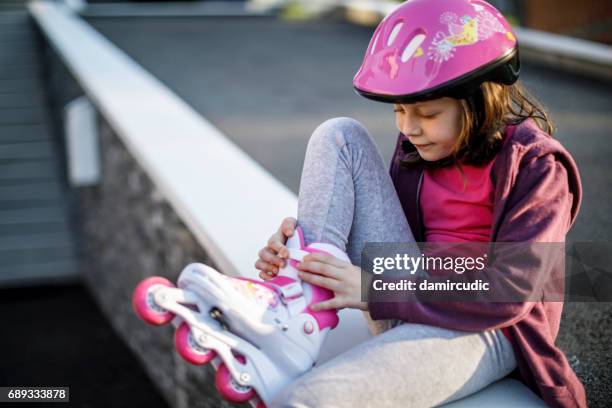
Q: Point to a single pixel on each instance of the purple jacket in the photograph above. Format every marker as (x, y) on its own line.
(537, 198)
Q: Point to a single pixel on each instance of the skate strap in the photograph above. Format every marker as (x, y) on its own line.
(291, 290)
(292, 296)
(297, 254)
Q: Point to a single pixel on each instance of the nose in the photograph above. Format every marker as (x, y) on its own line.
(410, 126)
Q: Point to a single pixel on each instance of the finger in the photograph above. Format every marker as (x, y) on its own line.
(265, 276)
(279, 247)
(325, 258)
(320, 268)
(326, 305)
(283, 253)
(268, 256)
(288, 226)
(325, 282)
(277, 239)
(266, 267)
(281, 250)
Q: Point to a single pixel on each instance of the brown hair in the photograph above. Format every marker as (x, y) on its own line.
(484, 116)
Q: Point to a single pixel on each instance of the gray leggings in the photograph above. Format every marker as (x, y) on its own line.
(347, 198)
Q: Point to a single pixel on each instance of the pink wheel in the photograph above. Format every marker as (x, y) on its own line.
(229, 389)
(188, 348)
(144, 305)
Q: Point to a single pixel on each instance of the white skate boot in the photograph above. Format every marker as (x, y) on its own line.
(258, 335)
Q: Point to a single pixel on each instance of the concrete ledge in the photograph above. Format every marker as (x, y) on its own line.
(506, 393)
(174, 9)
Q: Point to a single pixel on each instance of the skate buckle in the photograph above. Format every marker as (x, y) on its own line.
(291, 290)
(292, 296)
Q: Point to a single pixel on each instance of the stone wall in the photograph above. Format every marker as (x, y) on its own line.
(126, 232)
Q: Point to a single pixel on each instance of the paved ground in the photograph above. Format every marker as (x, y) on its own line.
(268, 84)
(57, 336)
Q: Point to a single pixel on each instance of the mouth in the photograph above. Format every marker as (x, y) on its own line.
(421, 146)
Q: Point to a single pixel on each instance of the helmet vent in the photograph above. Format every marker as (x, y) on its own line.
(413, 45)
(374, 44)
(396, 29)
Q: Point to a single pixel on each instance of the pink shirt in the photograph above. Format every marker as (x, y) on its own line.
(457, 207)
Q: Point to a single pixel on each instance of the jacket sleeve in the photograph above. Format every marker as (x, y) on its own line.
(537, 210)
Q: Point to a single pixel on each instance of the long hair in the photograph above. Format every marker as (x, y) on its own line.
(484, 115)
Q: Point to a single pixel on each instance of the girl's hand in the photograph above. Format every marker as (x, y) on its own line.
(272, 257)
(343, 278)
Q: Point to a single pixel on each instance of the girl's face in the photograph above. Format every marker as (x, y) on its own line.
(433, 127)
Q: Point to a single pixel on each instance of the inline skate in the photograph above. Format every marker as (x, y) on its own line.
(258, 335)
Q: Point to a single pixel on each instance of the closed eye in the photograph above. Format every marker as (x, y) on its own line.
(427, 116)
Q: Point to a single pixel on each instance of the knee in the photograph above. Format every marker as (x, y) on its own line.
(339, 132)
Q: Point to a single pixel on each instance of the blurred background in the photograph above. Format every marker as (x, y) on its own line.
(82, 222)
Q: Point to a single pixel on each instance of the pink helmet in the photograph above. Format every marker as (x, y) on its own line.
(426, 49)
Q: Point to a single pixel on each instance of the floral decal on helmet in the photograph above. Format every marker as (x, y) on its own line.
(462, 31)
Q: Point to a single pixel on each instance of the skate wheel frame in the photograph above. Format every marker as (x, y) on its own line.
(256, 378)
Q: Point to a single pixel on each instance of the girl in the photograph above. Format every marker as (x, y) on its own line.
(474, 162)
